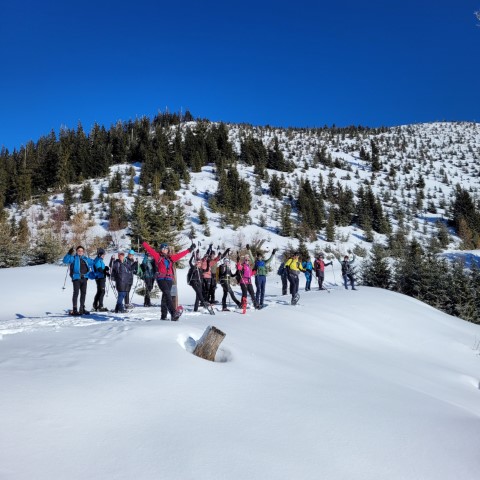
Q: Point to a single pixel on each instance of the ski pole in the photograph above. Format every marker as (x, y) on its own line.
(66, 274)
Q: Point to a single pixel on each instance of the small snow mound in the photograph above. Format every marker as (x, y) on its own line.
(187, 342)
(223, 355)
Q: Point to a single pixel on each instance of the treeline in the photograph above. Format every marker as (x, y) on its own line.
(450, 286)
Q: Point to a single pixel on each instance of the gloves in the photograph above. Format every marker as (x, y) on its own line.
(274, 251)
(248, 246)
(70, 252)
(192, 247)
(106, 269)
(227, 251)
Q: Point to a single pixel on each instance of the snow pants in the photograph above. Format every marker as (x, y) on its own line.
(211, 292)
(284, 278)
(348, 276)
(206, 285)
(227, 289)
(248, 289)
(148, 289)
(320, 278)
(260, 282)
(165, 287)
(308, 276)
(294, 282)
(119, 307)
(79, 286)
(98, 300)
(199, 299)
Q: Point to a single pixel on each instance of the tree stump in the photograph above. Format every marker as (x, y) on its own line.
(208, 344)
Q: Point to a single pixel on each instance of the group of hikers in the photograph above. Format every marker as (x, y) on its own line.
(205, 272)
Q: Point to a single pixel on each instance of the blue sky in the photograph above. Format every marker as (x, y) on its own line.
(303, 63)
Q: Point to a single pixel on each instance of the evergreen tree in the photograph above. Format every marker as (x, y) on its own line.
(376, 165)
(330, 228)
(276, 160)
(375, 271)
(275, 186)
(233, 194)
(286, 228)
(67, 201)
(86, 194)
(310, 207)
(202, 216)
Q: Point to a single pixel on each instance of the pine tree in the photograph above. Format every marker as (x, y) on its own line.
(330, 228)
(375, 271)
(286, 229)
(275, 186)
(202, 216)
(86, 194)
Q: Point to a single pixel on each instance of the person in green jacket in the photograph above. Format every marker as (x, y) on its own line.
(260, 266)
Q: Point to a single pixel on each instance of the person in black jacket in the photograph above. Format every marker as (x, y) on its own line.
(133, 268)
(195, 280)
(148, 273)
(121, 274)
(347, 271)
(225, 275)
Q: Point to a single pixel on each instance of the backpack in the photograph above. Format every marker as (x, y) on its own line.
(281, 269)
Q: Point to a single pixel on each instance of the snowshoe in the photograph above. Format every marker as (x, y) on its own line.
(177, 314)
(102, 309)
(225, 309)
(295, 299)
(74, 313)
(211, 310)
(84, 312)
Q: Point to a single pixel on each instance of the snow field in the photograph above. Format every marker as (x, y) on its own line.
(361, 385)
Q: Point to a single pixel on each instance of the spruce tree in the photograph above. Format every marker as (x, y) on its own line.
(375, 270)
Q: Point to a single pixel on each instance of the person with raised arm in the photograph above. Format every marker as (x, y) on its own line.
(164, 263)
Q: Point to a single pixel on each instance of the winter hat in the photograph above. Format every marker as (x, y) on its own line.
(131, 252)
(100, 252)
(80, 247)
(163, 245)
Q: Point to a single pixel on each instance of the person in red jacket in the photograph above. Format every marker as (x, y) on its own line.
(164, 263)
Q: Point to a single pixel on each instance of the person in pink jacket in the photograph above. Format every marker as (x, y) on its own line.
(245, 274)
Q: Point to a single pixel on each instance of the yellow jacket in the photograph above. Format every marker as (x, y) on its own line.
(295, 266)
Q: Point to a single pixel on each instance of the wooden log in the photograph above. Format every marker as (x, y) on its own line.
(208, 344)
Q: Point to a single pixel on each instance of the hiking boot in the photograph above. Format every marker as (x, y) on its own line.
(225, 309)
(74, 312)
(102, 309)
(83, 311)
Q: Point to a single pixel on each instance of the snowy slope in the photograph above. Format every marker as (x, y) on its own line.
(357, 385)
(442, 154)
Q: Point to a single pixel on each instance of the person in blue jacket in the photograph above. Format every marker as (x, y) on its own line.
(80, 271)
(101, 273)
(307, 265)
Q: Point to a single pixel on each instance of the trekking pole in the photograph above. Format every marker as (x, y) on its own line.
(113, 287)
(66, 274)
(106, 289)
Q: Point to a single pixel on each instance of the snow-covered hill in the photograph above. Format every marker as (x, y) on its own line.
(436, 156)
(358, 385)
